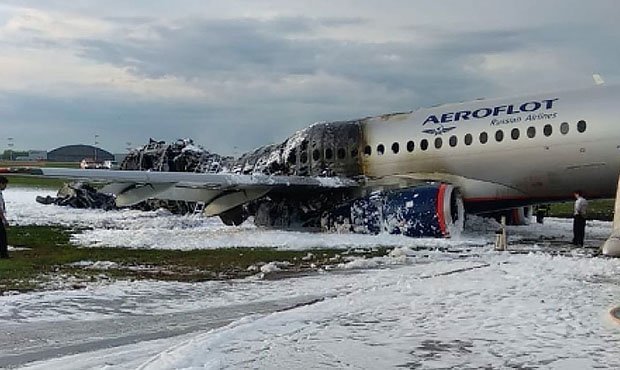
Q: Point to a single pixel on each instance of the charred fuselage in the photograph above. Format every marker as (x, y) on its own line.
(329, 149)
(322, 150)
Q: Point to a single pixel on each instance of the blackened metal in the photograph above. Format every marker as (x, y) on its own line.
(323, 150)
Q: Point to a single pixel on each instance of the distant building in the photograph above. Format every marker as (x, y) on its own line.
(76, 153)
(33, 155)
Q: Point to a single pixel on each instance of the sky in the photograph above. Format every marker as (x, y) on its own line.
(234, 75)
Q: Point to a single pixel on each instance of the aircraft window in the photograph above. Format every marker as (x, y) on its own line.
(395, 148)
(354, 153)
(453, 141)
(531, 132)
(367, 150)
(438, 143)
(304, 157)
(329, 153)
(564, 128)
(410, 146)
(547, 130)
(424, 144)
(380, 149)
(316, 154)
(292, 158)
(468, 139)
(341, 153)
(484, 137)
(581, 126)
(499, 135)
(514, 134)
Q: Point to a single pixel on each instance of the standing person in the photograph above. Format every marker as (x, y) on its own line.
(579, 218)
(542, 211)
(4, 223)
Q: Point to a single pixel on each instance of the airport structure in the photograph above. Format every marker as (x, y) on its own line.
(76, 153)
(33, 155)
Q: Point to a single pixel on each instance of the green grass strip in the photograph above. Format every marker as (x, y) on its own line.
(50, 253)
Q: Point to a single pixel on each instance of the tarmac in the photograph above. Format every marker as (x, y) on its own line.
(23, 343)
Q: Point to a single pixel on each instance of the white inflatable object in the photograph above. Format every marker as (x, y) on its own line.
(612, 245)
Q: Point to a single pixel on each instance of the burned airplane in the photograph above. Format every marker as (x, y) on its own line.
(415, 173)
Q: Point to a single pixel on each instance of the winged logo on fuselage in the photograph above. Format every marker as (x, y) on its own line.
(439, 130)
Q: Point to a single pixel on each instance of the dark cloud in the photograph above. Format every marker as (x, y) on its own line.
(198, 48)
(237, 49)
(206, 50)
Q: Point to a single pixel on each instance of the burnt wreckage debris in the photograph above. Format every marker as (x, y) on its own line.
(79, 195)
(82, 195)
(181, 156)
(323, 149)
(328, 149)
(334, 149)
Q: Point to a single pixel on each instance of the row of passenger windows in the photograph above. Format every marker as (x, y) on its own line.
(483, 138)
(341, 153)
(453, 141)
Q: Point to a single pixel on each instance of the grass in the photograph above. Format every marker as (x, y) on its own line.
(4, 163)
(50, 254)
(35, 182)
(32, 181)
(599, 209)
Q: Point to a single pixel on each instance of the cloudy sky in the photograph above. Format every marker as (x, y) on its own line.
(236, 74)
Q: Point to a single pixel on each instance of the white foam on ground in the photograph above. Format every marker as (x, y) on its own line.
(162, 230)
(520, 311)
(495, 311)
(412, 308)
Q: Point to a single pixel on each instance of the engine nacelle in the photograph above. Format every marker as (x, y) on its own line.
(424, 211)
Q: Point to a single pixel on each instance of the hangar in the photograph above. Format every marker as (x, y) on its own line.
(75, 153)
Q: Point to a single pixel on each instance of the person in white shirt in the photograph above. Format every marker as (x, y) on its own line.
(579, 218)
(4, 223)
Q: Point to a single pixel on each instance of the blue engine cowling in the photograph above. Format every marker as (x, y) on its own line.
(434, 210)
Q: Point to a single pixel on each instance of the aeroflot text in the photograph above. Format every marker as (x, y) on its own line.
(464, 115)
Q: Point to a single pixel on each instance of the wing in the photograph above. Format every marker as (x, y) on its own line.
(219, 192)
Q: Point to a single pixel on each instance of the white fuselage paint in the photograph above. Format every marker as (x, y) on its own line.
(538, 168)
